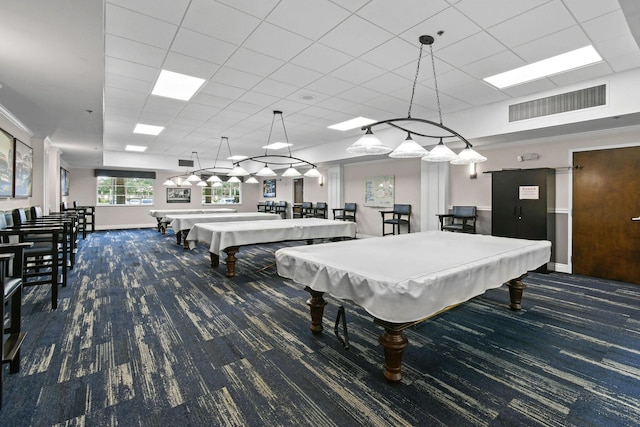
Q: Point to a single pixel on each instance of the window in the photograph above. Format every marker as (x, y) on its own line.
(227, 193)
(125, 191)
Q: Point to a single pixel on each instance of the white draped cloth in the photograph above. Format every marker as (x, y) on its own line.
(161, 213)
(186, 222)
(224, 235)
(405, 278)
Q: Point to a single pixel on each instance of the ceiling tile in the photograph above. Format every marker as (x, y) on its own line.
(497, 11)
(471, 49)
(218, 20)
(136, 26)
(203, 47)
(456, 26)
(235, 78)
(127, 83)
(392, 54)
(189, 65)
(117, 47)
(582, 74)
(554, 44)
(276, 42)
(388, 82)
(274, 88)
(294, 74)
(330, 85)
(587, 10)
(130, 69)
(321, 58)
(309, 18)
(397, 16)
(526, 26)
(355, 36)
(357, 72)
(166, 10)
(259, 9)
(245, 59)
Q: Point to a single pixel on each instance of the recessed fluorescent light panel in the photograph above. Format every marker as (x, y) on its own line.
(237, 157)
(352, 124)
(176, 86)
(137, 148)
(148, 129)
(547, 67)
(277, 145)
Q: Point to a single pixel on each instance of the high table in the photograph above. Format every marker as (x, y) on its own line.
(181, 224)
(160, 214)
(401, 280)
(228, 237)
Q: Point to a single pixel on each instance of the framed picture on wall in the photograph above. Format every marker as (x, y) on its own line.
(22, 170)
(269, 188)
(178, 195)
(379, 191)
(64, 182)
(6, 164)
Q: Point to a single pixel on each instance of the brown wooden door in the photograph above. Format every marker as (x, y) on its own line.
(606, 195)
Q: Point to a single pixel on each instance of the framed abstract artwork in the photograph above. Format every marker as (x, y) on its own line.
(379, 191)
(22, 170)
(6, 164)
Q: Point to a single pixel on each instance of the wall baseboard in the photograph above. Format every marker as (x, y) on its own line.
(124, 227)
(560, 268)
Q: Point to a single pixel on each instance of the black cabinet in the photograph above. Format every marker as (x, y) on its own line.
(523, 204)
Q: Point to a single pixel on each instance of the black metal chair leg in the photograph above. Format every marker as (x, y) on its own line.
(341, 316)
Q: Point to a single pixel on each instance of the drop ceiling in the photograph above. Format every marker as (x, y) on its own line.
(81, 73)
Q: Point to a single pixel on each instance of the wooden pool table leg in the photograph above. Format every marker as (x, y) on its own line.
(516, 288)
(394, 342)
(231, 252)
(316, 305)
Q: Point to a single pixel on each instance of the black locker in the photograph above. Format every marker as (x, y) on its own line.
(523, 204)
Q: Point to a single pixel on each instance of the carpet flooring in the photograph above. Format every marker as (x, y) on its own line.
(149, 334)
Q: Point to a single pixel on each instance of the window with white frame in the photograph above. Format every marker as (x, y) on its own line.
(229, 193)
(124, 191)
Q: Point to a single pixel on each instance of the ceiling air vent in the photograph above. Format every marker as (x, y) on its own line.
(570, 101)
(187, 163)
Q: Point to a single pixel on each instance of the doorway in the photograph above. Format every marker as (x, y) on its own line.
(298, 191)
(606, 195)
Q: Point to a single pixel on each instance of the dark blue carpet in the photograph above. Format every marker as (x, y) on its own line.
(148, 334)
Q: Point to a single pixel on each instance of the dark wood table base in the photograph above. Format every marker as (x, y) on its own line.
(393, 341)
(231, 259)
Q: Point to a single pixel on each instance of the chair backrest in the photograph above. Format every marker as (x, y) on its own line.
(64, 206)
(321, 205)
(36, 212)
(282, 204)
(459, 211)
(307, 205)
(3, 221)
(350, 207)
(75, 204)
(402, 209)
(19, 216)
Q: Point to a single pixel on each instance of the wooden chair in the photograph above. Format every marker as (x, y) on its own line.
(11, 258)
(45, 259)
(281, 208)
(462, 219)
(348, 213)
(320, 211)
(307, 210)
(400, 215)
